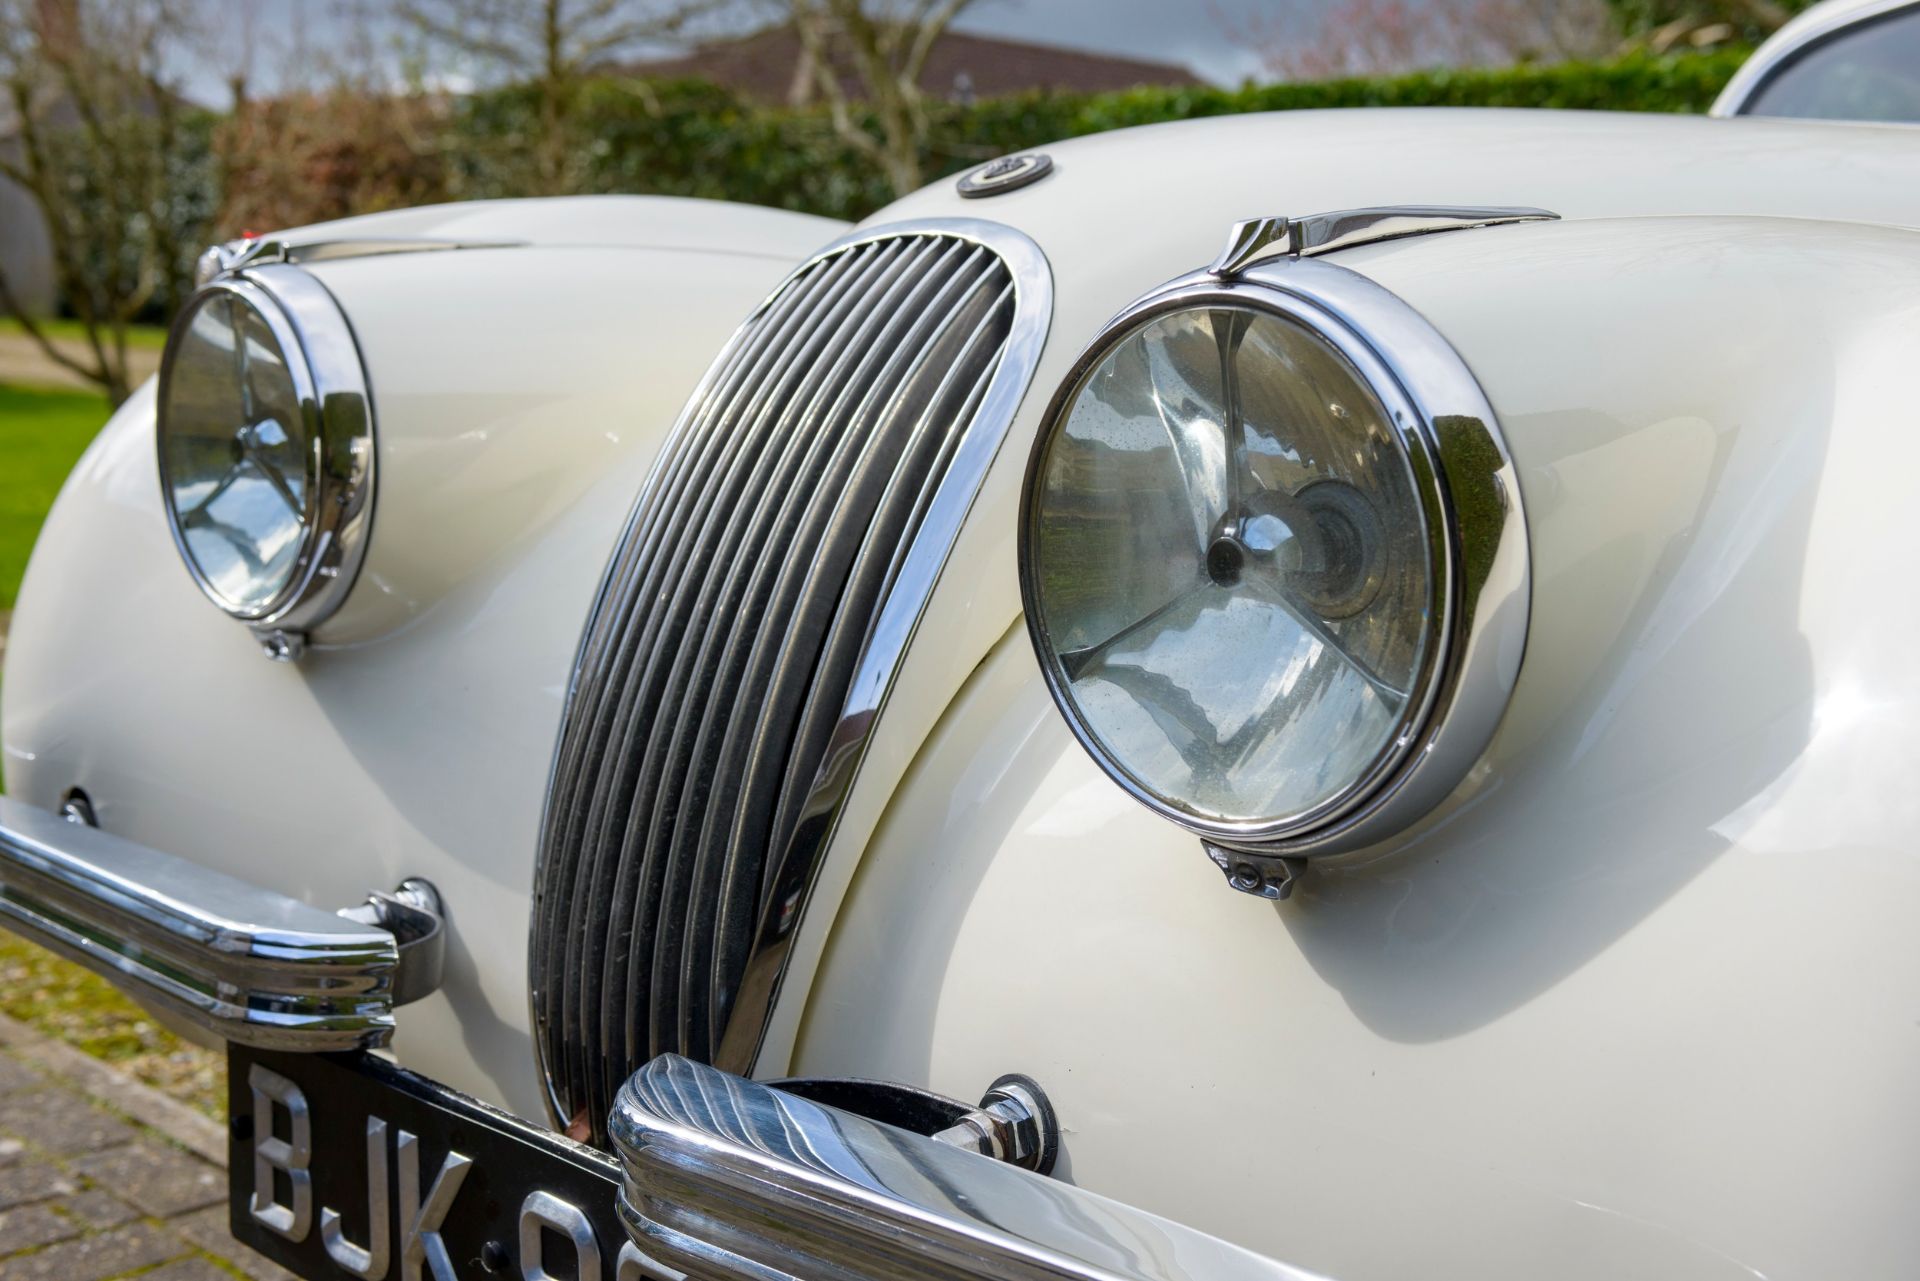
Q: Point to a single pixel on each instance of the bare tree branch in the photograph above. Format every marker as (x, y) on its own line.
(31, 327)
(550, 46)
(814, 28)
(98, 132)
(887, 47)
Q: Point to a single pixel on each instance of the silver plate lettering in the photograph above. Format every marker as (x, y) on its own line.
(423, 1218)
(291, 1156)
(368, 1261)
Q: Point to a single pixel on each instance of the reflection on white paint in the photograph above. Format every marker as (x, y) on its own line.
(1081, 810)
(1846, 767)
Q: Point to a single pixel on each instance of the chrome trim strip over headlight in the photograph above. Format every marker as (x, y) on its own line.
(245, 963)
(256, 251)
(727, 1178)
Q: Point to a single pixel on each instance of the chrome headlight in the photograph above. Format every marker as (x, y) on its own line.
(1273, 562)
(266, 450)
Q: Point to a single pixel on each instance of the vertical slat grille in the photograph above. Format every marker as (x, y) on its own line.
(718, 658)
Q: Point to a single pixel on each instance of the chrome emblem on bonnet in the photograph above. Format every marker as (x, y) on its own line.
(1008, 173)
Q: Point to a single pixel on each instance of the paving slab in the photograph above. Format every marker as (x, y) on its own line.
(33, 1179)
(103, 1177)
(34, 1225)
(96, 1257)
(61, 1122)
(98, 1209)
(156, 1179)
(188, 1270)
(208, 1230)
(85, 1075)
(15, 1075)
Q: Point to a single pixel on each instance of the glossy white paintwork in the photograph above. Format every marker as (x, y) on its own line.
(521, 394)
(1584, 1026)
(1583, 166)
(1639, 1001)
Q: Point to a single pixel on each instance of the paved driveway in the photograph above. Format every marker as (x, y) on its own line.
(102, 1177)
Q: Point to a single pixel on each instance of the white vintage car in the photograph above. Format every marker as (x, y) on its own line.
(1379, 751)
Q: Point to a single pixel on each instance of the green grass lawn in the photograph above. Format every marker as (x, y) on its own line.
(42, 435)
(150, 337)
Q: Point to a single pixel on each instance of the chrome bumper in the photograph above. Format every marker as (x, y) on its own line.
(244, 963)
(725, 1178)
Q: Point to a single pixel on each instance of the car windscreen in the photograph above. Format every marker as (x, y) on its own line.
(1865, 72)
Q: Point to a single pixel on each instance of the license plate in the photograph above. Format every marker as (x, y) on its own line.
(347, 1166)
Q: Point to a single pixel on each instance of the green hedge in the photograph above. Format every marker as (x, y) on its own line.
(1639, 82)
(694, 139)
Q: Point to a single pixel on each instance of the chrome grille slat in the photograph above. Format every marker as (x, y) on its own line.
(780, 346)
(772, 654)
(785, 879)
(736, 429)
(679, 745)
(608, 653)
(754, 823)
(713, 677)
(802, 509)
(817, 721)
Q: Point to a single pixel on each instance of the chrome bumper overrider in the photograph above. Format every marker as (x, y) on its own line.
(726, 1178)
(245, 963)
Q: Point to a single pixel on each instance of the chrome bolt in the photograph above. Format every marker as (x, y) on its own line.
(282, 647)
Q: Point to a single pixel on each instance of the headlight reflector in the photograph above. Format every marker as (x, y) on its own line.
(236, 453)
(1246, 574)
(265, 437)
(1239, 616)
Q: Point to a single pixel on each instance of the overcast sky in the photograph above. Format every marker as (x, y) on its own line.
(1197, 34)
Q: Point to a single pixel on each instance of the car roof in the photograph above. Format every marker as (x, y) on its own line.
(1806, 28)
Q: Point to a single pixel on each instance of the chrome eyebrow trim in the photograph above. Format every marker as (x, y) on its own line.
(1259, 240)
(254, 251)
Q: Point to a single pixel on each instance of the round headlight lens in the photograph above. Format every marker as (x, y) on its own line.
(237, 453)
(1231, 573)
(266, 449)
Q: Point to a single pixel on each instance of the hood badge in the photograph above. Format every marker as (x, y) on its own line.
(1008, 173)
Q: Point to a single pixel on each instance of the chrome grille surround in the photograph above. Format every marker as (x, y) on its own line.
(746, 634)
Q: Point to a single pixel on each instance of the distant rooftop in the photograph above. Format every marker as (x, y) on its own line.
(771, 67)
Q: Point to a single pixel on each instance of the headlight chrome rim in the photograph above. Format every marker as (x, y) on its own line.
(1475, 530)
(322, 359)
